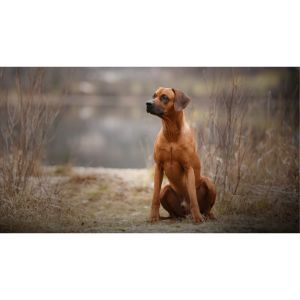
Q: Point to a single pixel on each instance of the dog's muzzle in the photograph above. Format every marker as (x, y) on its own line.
(154, 109)
(149, 106)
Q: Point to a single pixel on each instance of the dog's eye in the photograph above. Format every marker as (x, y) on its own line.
(154, 96)
(164, 98)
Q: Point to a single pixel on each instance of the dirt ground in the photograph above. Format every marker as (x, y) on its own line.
(118, 200)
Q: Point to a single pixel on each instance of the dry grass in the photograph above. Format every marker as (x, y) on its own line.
(63, 170)
(118, 200)
(256, 171)
(83, 179)
(25, 196)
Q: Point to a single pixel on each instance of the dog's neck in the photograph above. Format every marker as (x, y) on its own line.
(172, 125)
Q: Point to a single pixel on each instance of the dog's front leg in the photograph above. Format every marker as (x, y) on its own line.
(191, 188)
(158, 177)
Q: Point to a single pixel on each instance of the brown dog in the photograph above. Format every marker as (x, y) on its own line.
(175, 154)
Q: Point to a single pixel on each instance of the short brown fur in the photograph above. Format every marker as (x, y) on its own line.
(175, 155)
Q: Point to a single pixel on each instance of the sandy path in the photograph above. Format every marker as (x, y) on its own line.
(118, 200)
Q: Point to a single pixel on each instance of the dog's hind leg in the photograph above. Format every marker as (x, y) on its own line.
(172, 203)
(206, 195)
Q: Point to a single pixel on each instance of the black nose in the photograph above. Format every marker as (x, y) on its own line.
(149, 103)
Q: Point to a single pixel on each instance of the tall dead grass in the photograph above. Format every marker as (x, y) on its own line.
(26, 118)
(255, 169)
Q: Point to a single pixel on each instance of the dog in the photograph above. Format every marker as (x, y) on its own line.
(175, 155)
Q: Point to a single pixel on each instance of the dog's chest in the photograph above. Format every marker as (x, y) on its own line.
(170, 157)
(170, 153)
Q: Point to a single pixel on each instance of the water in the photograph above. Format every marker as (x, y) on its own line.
(116, 136)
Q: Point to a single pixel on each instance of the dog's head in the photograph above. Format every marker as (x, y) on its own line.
(166, 101)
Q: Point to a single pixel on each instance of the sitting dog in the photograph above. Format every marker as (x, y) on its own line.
(175, 154)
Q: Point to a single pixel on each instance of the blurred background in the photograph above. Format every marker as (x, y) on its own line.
(103, 122)
(56, 122)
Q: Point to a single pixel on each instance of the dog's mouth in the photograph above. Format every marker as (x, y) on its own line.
(154, 110)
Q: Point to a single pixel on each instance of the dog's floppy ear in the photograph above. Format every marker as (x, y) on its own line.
(181, 100)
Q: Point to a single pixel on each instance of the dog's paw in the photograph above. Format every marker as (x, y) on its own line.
(211, 216)
(197, 219)
(154, 217)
